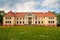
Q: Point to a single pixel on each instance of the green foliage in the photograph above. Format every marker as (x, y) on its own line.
(2, 12)
(29, 33)
(1, 16)
(58, 17)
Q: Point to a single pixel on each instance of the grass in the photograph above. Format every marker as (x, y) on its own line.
(29, 33)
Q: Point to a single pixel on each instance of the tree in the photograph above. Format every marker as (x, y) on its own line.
(58, 18)
(54, 12)
(1, 16)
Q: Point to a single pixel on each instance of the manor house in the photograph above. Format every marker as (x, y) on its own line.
(29, 18)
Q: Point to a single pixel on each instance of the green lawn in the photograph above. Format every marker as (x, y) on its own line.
(29, 33)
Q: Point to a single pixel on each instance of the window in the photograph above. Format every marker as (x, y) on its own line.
(10, 21)
(51, 17)
(17, 18)
(35, 18)
(6, 22)
(23, 22)
(20, 22)
(42, 22)
(17, 22)
(10, 17)
(23, 18)
(29, 18)
(52, 21)
(35, 22)
(20, 18)
(49, 21)
(6, 17)
(39, 22)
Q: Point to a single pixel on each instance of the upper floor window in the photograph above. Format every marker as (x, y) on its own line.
(35, 18)
(20, 18)
(23, 18)
(51, 17)
(17, 18)
(29, 18)
(8, 17)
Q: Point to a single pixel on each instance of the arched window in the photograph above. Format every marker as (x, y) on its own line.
(10, 21)
(20, 22)
(17, 22)
(5, 21)
(35, 22)
(42, 22)
(49, 22)
(35, 18)
(39, 22)
(23, 22)
(10, 17)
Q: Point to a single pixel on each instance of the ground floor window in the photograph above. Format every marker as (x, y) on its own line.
(7, 21)
(35, 22)
(17, 22)
(39, 22)
(20, 22)
(42, 22)
(50, 21)
(23, 22)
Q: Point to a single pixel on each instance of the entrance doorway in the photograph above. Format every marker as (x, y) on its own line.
(29, 22)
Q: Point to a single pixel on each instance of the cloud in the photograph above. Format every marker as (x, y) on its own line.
(50, 5)
(3, 0)
(27, 6)
(6, 8)
(48, 2)
(30, 5)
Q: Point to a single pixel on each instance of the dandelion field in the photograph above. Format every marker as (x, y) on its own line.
(29, 33)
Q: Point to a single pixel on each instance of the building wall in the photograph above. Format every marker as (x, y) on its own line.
(50, 24)
(12, 21)
(44, 19)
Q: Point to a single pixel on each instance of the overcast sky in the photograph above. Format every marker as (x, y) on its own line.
(30, 5)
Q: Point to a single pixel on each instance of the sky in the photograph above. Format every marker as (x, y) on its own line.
(30, 5)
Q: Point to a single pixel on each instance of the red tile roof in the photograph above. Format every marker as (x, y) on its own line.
(20, 14)
(10, 13)
(37, 14)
